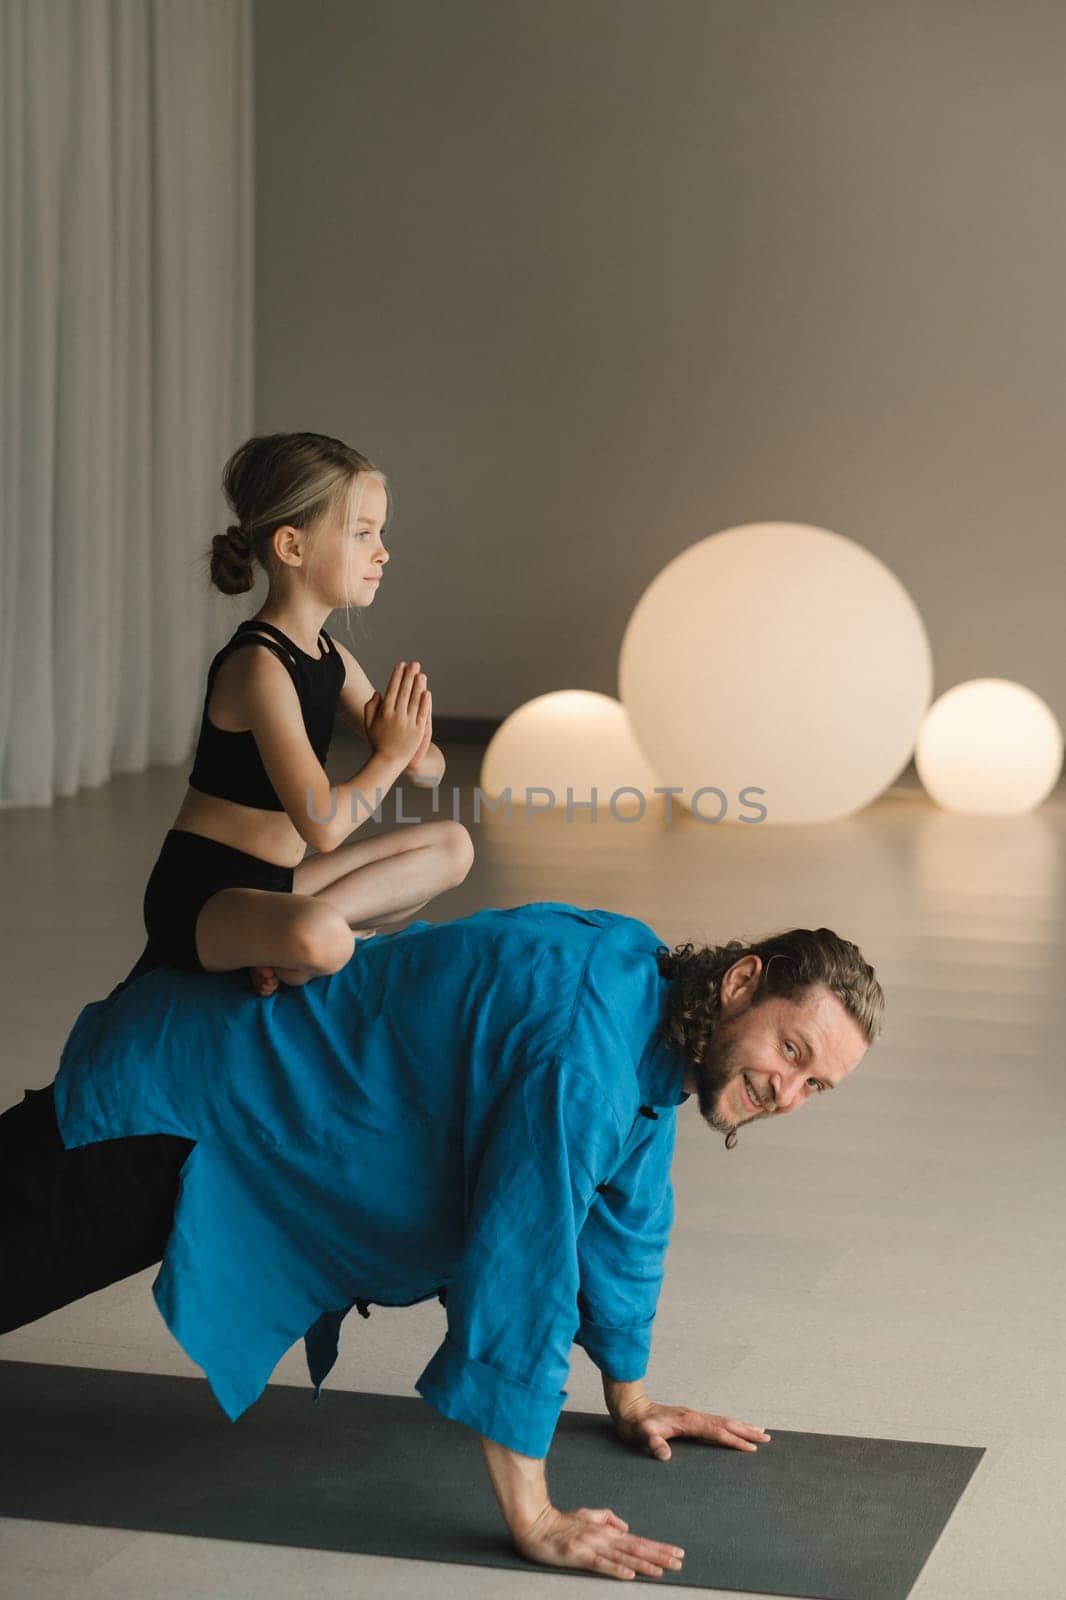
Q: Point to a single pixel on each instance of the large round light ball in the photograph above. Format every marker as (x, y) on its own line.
(776, 673)
(570, 739)
(990, 747)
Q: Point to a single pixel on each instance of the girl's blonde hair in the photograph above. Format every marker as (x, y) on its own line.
(275, 478)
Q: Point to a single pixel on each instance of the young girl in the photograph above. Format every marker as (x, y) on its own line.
(231, 887)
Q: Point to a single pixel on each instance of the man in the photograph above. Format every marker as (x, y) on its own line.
(482, 1109)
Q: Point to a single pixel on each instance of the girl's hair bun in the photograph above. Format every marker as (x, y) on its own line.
(231, 560)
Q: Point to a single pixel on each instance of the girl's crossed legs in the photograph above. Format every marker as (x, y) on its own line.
(367, 884)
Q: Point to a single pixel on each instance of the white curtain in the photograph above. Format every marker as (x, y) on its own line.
(126, 276)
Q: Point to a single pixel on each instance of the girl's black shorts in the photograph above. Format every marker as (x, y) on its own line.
(188, 871)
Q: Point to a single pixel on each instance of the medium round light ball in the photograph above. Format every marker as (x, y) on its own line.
(778, 668)
(989, 747)
(571, 738)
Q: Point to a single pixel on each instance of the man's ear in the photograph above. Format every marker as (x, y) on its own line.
(741, 980)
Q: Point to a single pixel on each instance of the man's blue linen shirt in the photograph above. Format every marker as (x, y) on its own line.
(459, 1106)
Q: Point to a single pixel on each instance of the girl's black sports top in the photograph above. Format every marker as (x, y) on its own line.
(228, 764)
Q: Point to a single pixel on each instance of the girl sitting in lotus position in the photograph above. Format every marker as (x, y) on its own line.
(231, 887)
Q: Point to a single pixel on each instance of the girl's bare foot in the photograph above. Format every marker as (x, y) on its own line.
(265, 980)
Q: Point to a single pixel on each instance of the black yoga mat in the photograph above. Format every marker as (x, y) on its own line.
(807, 1514)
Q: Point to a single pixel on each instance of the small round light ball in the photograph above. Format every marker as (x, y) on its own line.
(989, 747)
(570, 739)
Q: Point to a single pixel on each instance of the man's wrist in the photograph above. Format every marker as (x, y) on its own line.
(520, 1483)
(622, 1398)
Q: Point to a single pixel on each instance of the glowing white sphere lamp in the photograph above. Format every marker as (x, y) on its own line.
(776, 666)
(989, 747)
(571, 739)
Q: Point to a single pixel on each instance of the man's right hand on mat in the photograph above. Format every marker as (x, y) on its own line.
(596, 1540)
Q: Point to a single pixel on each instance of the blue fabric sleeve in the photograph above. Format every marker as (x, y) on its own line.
(512, 1302)
(621, 1251)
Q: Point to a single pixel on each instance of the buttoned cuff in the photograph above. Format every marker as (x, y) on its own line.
(512, 1413)
(621, 1353)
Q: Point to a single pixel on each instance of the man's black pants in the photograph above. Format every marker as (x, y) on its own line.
(72, 1221)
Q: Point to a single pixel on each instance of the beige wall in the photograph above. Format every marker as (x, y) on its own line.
(591, 279)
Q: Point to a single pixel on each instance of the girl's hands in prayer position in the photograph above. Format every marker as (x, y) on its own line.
(397, 722)
(427, 737)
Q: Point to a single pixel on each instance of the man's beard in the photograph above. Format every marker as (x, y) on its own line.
(722, 1063)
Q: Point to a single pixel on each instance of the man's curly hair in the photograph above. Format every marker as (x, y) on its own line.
(793, 963)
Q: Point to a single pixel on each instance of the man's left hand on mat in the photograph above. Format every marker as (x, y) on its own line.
(649, 1426)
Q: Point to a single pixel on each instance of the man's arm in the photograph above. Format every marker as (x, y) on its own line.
(512, 1303)
(512, 1311)
(621, 1253)
(520, 1484)
(596, 1540)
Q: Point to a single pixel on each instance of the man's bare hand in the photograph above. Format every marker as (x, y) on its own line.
(596, 1540)
(649, 1426)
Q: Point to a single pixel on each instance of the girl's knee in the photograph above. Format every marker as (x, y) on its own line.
(322, 938)
(457, 849)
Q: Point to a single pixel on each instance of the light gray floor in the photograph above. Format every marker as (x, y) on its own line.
(887, 1262)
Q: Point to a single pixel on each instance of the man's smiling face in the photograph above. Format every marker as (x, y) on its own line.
(768, 1058)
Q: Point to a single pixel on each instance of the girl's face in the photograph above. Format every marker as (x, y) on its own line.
(349, 555)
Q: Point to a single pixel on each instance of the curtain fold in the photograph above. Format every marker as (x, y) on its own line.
(126, 326)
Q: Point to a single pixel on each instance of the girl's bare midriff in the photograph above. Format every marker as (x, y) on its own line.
(270, 835)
